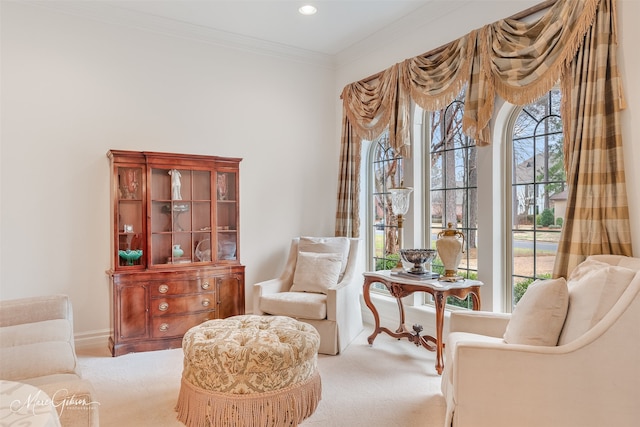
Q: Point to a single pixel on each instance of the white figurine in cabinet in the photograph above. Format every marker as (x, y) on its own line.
(175, 184)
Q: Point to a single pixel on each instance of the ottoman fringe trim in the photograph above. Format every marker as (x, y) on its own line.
(289, 406)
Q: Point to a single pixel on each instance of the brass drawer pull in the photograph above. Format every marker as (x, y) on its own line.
(205, 285)
(205, 303)
(163, 289)
(164, 306)
(164, 327)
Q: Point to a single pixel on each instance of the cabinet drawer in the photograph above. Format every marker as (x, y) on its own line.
(171, 326)
(179, 287)
(183, 304)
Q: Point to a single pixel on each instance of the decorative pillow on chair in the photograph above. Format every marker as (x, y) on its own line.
(540, 314)
(327, 245)
(594, 287)
(316, 272)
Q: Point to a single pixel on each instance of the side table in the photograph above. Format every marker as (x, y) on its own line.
(401, 286)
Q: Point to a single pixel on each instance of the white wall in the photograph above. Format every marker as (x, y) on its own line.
(73, 88)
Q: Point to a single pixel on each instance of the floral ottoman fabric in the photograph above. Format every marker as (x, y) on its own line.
(250, 369)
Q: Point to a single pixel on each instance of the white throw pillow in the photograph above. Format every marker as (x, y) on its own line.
(327, 245)
(594, 287)
(540, 314)
(316, 272)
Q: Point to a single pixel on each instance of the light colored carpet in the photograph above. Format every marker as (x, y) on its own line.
(392, 383)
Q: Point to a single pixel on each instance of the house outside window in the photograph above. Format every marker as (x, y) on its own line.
(538, 192)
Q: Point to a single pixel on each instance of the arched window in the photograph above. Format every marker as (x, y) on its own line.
(386, 171)
(537, 191)
(454, 185)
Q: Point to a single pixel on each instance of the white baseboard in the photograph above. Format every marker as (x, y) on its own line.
(93, 339)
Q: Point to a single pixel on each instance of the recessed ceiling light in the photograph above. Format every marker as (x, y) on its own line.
(307, 10)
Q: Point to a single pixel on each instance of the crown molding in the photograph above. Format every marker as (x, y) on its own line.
(113, 15)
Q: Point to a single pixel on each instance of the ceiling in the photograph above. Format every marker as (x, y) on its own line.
(340, 28)
(337, 25)
(267, 24)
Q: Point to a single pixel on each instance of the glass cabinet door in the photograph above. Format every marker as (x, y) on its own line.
(130, 217)
(227, 216)
(180, 216)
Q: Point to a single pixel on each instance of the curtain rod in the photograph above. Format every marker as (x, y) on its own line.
(520, 15)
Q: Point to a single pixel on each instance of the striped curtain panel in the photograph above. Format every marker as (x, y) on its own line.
(573, 42)
(348, 210)
(597, 217)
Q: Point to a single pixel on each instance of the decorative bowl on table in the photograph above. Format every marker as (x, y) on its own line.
(130, 255)
(418, 257)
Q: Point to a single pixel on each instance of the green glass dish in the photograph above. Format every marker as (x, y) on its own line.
(130, 255)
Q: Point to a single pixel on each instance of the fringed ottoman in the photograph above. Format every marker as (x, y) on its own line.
(247, 371)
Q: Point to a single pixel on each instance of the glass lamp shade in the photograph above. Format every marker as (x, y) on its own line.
(400, 200)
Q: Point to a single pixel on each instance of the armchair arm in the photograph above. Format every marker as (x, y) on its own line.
(496, 384)
(343, 307)
(281, 284)
(479, 322)
(343, 301)
(272, 286)
(341, 297)
(486, 376)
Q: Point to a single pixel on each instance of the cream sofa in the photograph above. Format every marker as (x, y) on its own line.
(37, 348)
(538, 368)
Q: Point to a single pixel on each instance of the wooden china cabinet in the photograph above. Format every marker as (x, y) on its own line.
(175, 255)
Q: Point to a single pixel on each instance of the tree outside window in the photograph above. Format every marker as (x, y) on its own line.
(387, 171)
(453, 186)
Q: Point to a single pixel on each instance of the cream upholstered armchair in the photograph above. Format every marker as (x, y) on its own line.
(317, 286)
(542, 367)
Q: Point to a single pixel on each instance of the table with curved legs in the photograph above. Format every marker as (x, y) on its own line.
(401, 286)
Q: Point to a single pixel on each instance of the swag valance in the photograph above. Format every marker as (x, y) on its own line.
(572, 42)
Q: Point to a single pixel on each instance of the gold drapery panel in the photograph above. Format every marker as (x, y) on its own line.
(597, 216)
(520, 62)
(372, 105)
(434, 80)
(516, 60)
(525, 60)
